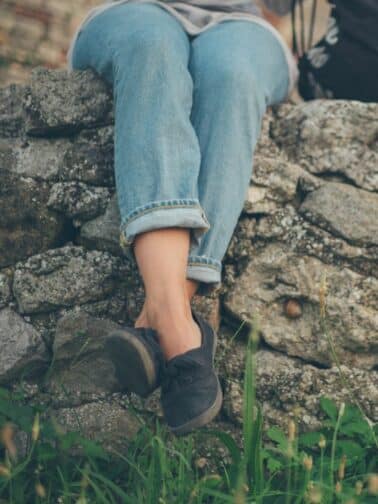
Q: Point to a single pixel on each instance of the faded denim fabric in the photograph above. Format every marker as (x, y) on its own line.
(188, 112)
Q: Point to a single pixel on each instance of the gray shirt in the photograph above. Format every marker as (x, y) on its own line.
(192, 7)
(199, 15)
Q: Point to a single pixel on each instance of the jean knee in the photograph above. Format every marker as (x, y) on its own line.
(235, 82)
(153, 45)
(89, 49)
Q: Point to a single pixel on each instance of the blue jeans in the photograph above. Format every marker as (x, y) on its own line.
(188, 112)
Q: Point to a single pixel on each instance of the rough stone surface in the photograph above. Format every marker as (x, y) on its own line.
(275, 276)
(27, 226)
(286, 385)
(310, 215)
(89, 158)
(11, 111)
(103, 233)
(22, 348)
(39, 158)
(332, 138)
(90, 372)
(58, 103)
(63, 277)
(76, 199)
(5, 288)
(274, 179)
(345, 211)
(104, 421)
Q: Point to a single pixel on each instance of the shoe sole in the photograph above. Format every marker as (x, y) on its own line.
(134, 366)
(206, 416)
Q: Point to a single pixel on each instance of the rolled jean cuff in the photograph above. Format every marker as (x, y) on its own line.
(186, 213)
(207, 271)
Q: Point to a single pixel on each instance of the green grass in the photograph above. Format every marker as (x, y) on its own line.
(158, 468)
(337, 464)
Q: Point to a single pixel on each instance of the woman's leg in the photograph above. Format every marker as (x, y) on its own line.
(191, 289)
(143, 52)
(238, 68)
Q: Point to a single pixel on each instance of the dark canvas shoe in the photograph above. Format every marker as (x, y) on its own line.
(191, 394)
(137, 358)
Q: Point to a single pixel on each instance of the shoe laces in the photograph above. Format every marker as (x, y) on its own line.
(179, 372)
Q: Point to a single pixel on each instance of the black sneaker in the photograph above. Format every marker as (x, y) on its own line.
(137, 358)
(191, 394)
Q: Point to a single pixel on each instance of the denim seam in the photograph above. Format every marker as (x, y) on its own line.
(203, 260)
(160, 205)
(216, 268)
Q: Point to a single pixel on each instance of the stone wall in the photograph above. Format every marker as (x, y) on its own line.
(65, 282)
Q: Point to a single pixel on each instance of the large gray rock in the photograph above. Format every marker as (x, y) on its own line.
(103, 233)
(274, 183)
(22, 348)
(5, 288)
(90, 158)
(81, 367)
(87, 158)
(345, 211)
(283, 289)
(286, 225)
(27, 226)
(63, 277)
(38, 158)
(332, 138)
(11, 110)
(58, 103)
(76, 199)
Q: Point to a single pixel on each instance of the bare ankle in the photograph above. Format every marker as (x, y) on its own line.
(174, 344)
(177, 335)
(163, 311)
(142, 321)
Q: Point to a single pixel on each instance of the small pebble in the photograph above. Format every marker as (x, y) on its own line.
(293, 308)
